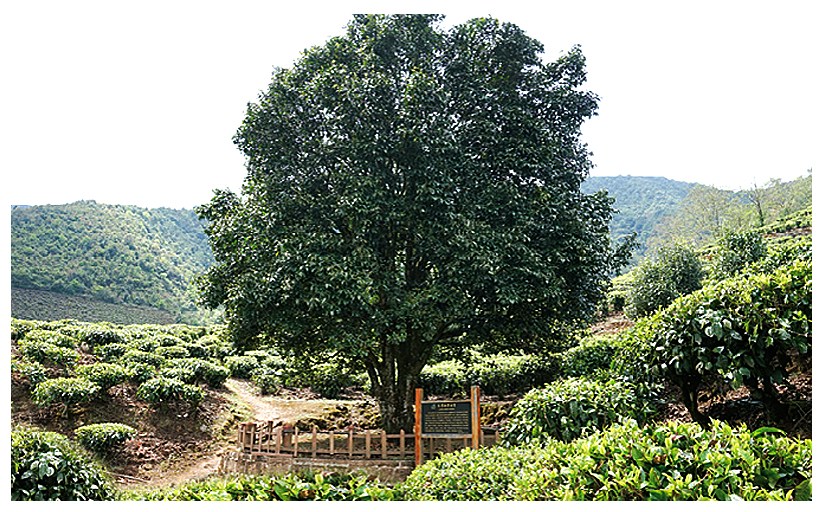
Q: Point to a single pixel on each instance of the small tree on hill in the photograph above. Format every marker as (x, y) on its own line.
(674, 270)
(407, 188)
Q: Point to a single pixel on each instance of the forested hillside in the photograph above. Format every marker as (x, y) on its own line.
(660, 210)
(108, 253)
(641, 202)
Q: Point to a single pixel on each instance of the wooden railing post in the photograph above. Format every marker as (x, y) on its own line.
(314, 443)
(417, 428)
(401, 443)
(295, 445)
(279, 431)
(475, 412)
(367, 445)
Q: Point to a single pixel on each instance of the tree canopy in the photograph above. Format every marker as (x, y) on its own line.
(409, 187)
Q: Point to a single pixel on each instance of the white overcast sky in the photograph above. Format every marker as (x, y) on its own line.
(136, 102)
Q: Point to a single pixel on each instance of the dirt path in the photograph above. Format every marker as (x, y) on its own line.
(263, 408)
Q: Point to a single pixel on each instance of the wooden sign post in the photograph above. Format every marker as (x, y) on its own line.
(447, 419)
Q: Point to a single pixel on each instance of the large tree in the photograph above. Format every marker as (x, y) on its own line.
(410, 187)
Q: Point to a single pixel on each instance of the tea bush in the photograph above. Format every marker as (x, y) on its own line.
(267, 379)
(741, 329)
(104, 375)
(47, 353)
(673, 271)
(96, 335)
(241, 367)
(569, 408)
(591, 355)
(140, 372)
(186, 375)
(19, 328)
(52, 337)
(102, 437)
(65, 390)
(627, 462)
(33, 371)
(172, 352)
(735, 250)
(47, 466)
(290, 487)
(164, 391)
(111, 352)
(496, 375)
(212, 374)
(140, 356)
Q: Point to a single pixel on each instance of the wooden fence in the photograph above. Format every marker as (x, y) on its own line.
(266, 438)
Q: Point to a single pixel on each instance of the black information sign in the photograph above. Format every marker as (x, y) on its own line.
(446, 418)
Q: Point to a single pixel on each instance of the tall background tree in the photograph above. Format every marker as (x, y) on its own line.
(410, 187)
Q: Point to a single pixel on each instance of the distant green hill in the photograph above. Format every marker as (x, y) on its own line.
(110, 254)
(642, 202)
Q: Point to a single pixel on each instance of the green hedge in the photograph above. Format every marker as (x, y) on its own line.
(568, 408)
(101, 438)
(740, 329)
(65, 390)
(164, 390)
(627, 462)
(104, 375)
(47, 466)
(47, 353)
(290, 487)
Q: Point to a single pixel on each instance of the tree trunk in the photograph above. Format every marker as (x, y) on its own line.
(393, 383)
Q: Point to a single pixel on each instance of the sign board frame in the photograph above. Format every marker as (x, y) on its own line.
(449, 406)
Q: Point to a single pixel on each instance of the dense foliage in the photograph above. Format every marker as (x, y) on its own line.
(568, 408)
(627, 462)
(101, 438)
(115, 254)
(641, 203)
(290, 487)
(674, 270)
(408, 186)
(734, 250)
(47, 466)
(741, 329)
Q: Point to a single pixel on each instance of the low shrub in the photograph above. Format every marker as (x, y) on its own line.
(568, 408)
(673, 271)
(47, 353)
(33, 371)
(183, 374)
(96, 335)
(627, 462)
(140, 372)
(165, 391)
(111, 352)
(267, 379)
(47, 466)
(104, 375)
(101, 438)
(735, 250)
(140, 356)
(290, 487)
(326, 379)
(145, 344)
(496, 375)
(741, 330)
(65, 390)
(210, 373)
(592, 355)
(19, 328)
(51, 337)
(241, 367)
(172, 352)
